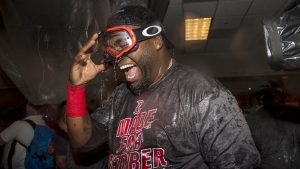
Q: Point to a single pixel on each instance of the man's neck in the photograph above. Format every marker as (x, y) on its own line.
(162, 70)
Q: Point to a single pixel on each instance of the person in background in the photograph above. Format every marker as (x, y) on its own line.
(68, 158)
(275, 128)
(165, 115)
(22, 132)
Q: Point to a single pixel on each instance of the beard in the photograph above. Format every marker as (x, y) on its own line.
(139, 88)
(146, 68)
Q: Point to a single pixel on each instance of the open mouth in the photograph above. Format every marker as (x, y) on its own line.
(130, 70)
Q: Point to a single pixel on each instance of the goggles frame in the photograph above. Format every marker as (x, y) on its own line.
(136, 35)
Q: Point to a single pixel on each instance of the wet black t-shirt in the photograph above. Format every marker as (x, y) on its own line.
(185, 121)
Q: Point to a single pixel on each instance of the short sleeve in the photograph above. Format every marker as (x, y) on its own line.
(100, 119)
(225, 138)
(13, 131)
(102, 114)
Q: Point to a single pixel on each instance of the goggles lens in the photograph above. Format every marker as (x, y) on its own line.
(115, 42)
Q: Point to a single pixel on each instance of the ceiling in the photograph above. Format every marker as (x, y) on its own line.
(229, 16)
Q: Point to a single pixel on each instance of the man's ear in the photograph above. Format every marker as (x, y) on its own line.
(158, 42)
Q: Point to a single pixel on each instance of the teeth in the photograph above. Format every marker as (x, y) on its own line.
(126, 66)
(130, 77)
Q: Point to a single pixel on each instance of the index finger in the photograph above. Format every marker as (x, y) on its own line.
(89, 44)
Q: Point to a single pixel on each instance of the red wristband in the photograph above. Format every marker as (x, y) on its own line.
(76, 106)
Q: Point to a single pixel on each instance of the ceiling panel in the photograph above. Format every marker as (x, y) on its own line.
(219, 45)
(224, 33)
(196, 46)
(201, 9)
(266, 8)
(226, 23)
(232, 8)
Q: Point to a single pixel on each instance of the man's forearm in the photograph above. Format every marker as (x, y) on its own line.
(79, 129)
(78, 120)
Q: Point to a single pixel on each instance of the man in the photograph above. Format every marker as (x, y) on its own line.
(165, 115)
(23, 133)
(275, 129)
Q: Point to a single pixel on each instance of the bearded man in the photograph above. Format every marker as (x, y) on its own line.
(166, 115)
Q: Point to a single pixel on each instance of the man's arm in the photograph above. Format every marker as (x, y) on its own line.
(79, 130)
(226, 140)
(82, 70)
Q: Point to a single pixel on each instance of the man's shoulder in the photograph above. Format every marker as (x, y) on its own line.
(185, 72)
(19, 124)
(120, 91)
(121, 87)
(194, 79)
(14, 130)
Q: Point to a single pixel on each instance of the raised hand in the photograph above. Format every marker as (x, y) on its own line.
(83, 69)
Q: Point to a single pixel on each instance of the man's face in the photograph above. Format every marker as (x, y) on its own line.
(139, 66)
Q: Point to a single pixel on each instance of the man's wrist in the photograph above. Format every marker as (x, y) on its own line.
(70, 82)
(76, 104)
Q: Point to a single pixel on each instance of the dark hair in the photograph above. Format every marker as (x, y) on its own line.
(132, 15)
(266, 93)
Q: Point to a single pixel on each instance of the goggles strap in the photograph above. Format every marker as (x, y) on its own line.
(147, 32)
